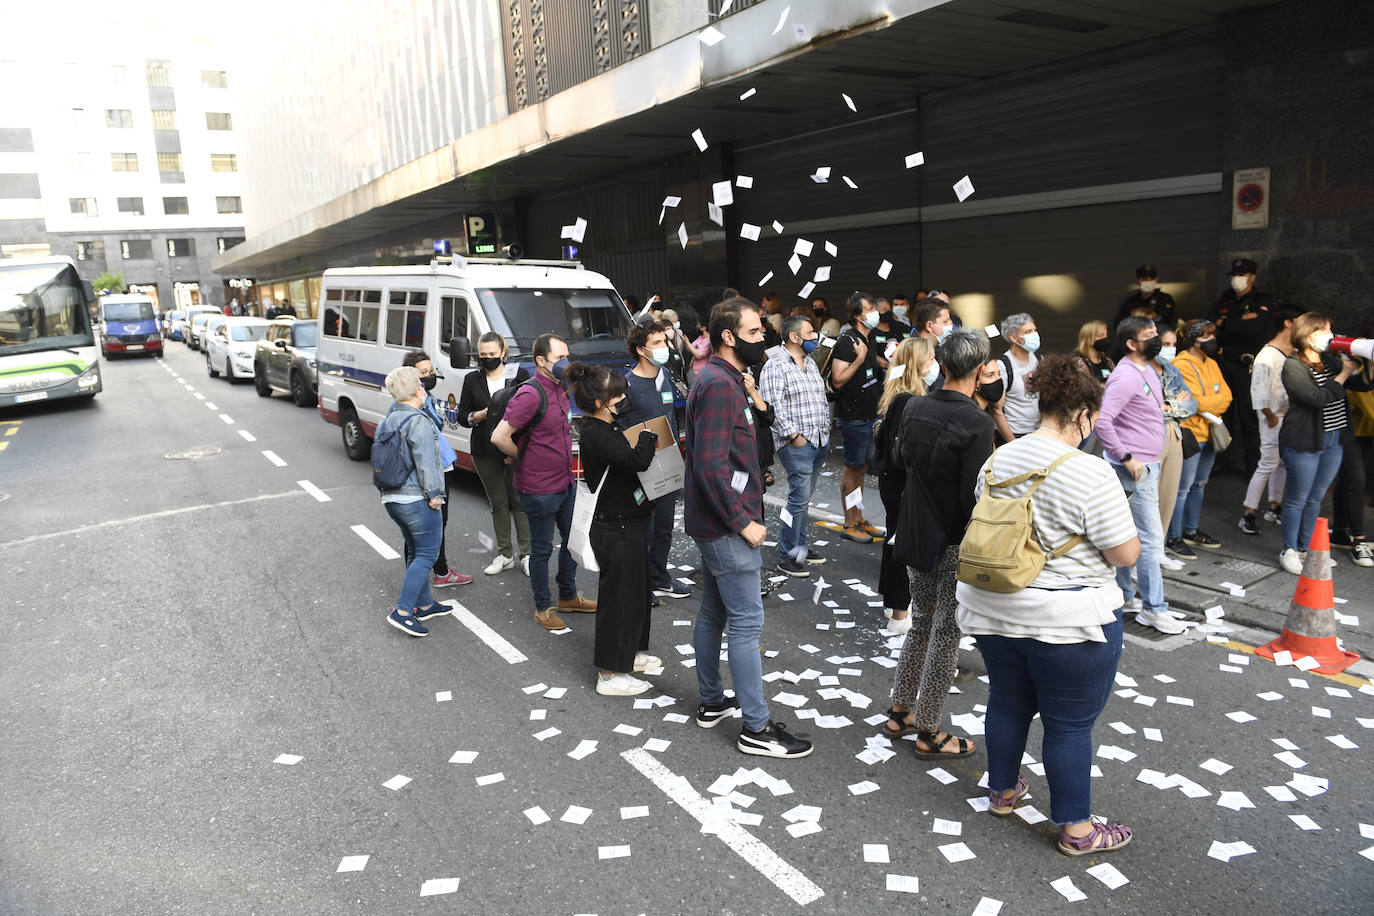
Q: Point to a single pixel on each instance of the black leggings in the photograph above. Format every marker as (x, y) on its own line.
(1348, 495)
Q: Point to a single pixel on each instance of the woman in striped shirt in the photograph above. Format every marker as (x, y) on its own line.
(1310, 438)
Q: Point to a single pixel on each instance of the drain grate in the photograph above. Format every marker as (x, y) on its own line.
(192, 454)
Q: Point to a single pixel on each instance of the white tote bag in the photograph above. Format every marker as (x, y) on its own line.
(579, 535)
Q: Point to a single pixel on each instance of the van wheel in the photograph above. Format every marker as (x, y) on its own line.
(260, 383)
(299, 392)
(356, 443)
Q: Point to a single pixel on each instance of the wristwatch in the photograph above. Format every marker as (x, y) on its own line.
(1126, 457)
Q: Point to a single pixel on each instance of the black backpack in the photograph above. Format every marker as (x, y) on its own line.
(496, 412)
(391, 458)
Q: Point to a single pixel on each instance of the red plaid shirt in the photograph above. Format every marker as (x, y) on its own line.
(720, 444)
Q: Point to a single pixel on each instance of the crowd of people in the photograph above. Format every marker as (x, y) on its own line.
(1108, 445)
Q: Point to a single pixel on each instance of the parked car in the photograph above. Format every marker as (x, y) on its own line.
(285, 361)
(128, 324)
(188, 336)
(171, 325)
(229, 345)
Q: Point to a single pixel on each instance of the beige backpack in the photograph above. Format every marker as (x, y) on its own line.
(999, 552)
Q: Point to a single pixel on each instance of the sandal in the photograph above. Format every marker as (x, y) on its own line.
(1114, 836)
(767, 478)
(898, 718)
(1002, 804)
(965, 746)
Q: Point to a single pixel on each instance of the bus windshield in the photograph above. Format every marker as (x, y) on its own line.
(128, 311)
(42, 307)
(593, 321)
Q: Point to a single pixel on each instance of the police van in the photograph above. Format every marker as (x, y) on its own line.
(371, 316)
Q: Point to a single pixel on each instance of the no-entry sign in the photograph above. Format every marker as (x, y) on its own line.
(1250, 205)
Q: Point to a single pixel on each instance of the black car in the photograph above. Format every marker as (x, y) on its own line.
(285, 361)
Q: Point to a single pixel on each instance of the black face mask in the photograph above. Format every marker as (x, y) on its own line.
(992, 391)
(1210, 347)
(429, 381)
(489, 363)
(1151, 347)
(1103, 345)
(751, 354)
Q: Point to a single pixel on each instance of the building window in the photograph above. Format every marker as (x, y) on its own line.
(159, 73)
(181, 248)
(218, 120)
(228, 205)
(119, 117)
(169, 162)
(133, 205)
(214, 79)
(224, 162)
(164, 119)
(84, 206)
(224, 244)
(90, 251)
(124, 162)
(136, 249)
(175, 206)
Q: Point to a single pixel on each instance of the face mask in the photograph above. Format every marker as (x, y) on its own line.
(429, 381)
(1032, 341)
(1147, 287)
(1320, 342)
(1152, 347)
(992, 391)
(900, 312)
(930, 377)
(1210, 347)
(658, 356)
(809, 346)
(1078, 424)
(489, 363)
(945, 332)
(1167, 354)
(1240, 283)
(751, 354)
(871, 319)
(677, 325)
(615, 408)
(559, 368)
(1102, 345)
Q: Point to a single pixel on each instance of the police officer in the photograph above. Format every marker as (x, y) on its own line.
(1244, 319)
(1149, 295)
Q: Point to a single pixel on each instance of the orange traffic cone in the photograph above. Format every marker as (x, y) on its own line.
(1311, 625)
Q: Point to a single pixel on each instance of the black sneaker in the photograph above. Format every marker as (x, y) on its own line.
(790, 567)
(709, 715)
(1342, 539)
(1178, 548)
(774, 740)
(1201, 538)
(1248, 525)
(814, 559)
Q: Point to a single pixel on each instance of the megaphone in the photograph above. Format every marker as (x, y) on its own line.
(1363, 347)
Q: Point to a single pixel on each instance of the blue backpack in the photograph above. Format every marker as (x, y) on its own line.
(392, 463)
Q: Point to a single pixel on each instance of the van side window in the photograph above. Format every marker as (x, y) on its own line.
(454, 321)
(370, 315)
(405, 327)
(333, 300)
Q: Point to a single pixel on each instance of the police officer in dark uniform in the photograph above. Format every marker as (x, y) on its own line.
(1148, 296)
(1244, 319)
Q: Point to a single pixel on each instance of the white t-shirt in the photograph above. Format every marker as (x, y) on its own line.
(1266, 381)
(1022, 410)
(495, 384)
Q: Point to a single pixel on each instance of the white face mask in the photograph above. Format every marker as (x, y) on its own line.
(1167, 354)
(658, 356)
(931, 375)
(1147, 287)
(1321, 342)
(1240, 284)
(900, 312)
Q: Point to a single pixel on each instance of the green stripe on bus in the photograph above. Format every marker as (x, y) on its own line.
(71, 369)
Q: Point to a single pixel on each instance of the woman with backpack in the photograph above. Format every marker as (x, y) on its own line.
(406, 439)
(944, 437)
(1050, 646)
(619, 532)
(916, 357)
(494, 469)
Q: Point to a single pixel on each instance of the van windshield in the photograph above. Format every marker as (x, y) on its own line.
(128, 311)
(593, 321)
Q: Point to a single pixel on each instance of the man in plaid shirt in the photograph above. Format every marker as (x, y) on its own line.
(791, 384)
(724, 515)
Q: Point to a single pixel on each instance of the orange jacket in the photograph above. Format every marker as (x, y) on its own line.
(1203, 378)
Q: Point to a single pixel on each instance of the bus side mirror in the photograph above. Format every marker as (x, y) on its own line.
(459, 353)
(89, 290)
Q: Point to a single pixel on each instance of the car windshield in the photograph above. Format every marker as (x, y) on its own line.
(201, 317)
(128, 311)
(306, 334)
(42, 307)
(177, 316)
(247, 331)
(594, 322)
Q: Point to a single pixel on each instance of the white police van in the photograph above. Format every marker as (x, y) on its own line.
(371, 316)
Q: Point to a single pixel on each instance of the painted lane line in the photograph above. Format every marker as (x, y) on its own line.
(227, 419)
(12, 430)
(4, 445)
(744, 844)
(247, 436)
(211, 406)
(493, 639)
(199, 396)
(307, 486)
(273, 457)
(376, 543)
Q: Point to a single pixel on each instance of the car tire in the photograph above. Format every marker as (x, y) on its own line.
(260, 384)
(299, 392)
(229, 371)
(210, 369)
(356, 443)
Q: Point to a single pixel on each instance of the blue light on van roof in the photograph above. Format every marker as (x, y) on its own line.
(443, 247)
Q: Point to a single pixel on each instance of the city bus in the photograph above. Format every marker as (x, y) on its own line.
(47, 348)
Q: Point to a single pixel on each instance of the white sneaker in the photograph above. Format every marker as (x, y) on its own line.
(645, 662)
(1164, 623)
(621, 685)
(525, 563)
(1132, 604)
(500, 563)
(898, 625)
(1168, 562)
(1291, 561)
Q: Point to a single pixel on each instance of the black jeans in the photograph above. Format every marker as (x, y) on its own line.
(1348, 495)
(660, 538)
(1240, 418)
(893, 581)
(622, 596)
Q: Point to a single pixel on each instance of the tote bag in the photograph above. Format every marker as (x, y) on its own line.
(579, 534)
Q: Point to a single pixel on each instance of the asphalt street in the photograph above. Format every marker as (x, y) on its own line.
(187, 600)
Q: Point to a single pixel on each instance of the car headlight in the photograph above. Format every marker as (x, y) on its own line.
(311, 364)
(89, 378)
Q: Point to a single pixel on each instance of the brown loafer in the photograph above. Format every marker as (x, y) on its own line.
(549, 620)
(578, 605)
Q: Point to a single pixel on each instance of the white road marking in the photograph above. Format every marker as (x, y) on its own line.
(744, 844)
(227, 419)
(271, 456)
(479, 628)
(376, 543)
(165, 513)
(307, 486)
(211, 406)
(200, 396)
(248, 437)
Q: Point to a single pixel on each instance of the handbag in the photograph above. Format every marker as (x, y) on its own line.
(1190, 446)
(579, 533)
(1220, 436)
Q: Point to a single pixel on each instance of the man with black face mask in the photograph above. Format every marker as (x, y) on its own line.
(1131, 430)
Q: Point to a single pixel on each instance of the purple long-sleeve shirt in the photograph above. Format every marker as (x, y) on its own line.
(1132, 419)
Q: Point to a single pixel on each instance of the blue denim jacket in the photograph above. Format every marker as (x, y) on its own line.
(427, 477)
(1174, 386)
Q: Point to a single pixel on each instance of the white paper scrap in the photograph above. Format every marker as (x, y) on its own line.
(876, 852)
(1066, 888)
(1212, 765)
(436, 886)
(537, 815)
(576, 814)
(613, 852)
(963, 188)
(947, 828)
(904, 884)
(1304, 822)
(491, 779)
(352, 863)
(941, 775)
(915, 159)
(885, 269)
(396, 782)
(289, 760)
(1109, 875)
(748, 93)
(682, 235)
(700, 139)
(710, 36)
(723, 193)
(987, 906)
(584, 748)
(848, 101)
(751, 232)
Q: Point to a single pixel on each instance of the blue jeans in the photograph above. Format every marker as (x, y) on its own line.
(1143, 496)
(803, 464)
(544, 510)
(1069, 686)
(422, 528)
(857, 438)
(1309, 477)
(1192, 481)
(730, 597)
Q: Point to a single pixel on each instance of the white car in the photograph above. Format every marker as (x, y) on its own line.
(197, 327)
(229, 346)
(188, 316)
